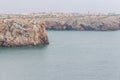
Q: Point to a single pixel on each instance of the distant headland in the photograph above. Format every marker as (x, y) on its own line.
(70, 21)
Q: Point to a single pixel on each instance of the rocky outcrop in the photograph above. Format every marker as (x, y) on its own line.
(22, 33)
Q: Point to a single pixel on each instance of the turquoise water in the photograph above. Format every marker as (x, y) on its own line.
(71, 55)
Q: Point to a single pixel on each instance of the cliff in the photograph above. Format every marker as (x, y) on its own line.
(22, 33)
(82, 23)
(71, 21)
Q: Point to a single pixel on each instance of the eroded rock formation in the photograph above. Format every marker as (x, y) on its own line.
(22, 33)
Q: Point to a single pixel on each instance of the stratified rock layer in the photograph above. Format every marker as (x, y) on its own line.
(22, 33)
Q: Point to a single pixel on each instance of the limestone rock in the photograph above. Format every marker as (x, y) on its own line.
(22, 33)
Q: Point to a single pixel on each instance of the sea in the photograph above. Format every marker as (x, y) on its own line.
(71, 55)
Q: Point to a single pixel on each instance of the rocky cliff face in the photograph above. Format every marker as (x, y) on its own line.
(89, 23)
(22, 33)
(71, 21)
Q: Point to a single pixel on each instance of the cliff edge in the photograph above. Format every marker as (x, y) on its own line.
(22, 33)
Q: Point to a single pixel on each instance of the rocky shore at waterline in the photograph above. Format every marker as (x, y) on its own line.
(15, 33)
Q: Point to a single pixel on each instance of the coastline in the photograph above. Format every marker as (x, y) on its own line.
(70, 21)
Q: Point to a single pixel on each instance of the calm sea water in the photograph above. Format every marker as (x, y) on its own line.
(71, 55)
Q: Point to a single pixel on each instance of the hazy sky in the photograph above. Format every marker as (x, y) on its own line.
(81, 6)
